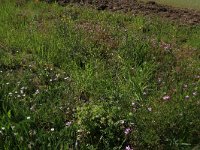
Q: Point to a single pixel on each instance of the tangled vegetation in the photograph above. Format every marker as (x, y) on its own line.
(77, 78)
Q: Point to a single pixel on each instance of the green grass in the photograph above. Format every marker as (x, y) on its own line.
(77, 78)
(191, 4)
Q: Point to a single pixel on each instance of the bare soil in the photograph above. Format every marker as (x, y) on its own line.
(151, 8)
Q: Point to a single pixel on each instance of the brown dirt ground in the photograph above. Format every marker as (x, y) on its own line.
(184, 16)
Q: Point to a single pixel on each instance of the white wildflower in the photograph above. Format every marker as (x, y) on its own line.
(37, 92)
(150, 109)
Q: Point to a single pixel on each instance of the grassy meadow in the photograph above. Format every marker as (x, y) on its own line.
(191, 4)
(74, 78)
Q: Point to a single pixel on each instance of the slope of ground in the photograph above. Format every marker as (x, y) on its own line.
(78, 78)
(191, 4)
(185, 16)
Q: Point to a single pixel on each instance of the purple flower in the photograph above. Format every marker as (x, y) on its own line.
(166, 97)
(127, 131)
(128, 148)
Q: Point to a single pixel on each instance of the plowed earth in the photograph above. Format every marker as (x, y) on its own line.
(184, 16)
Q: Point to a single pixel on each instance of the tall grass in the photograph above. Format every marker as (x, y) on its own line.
(76, 78)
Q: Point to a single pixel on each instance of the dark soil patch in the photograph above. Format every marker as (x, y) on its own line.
(185, 16)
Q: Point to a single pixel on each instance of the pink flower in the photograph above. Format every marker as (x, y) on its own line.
(166, 97)
(127, 131)
(167, 46)
(128, 148)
